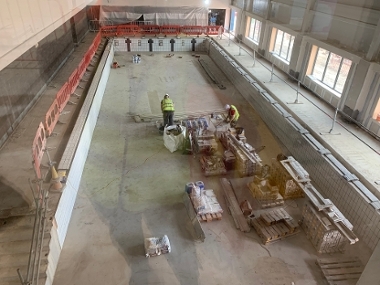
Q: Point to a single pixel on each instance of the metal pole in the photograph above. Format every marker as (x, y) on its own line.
(254, 57)
(239, 47)
(229, 37)
(298, 88)
(333, 123)
(20, 276)
(271, 74)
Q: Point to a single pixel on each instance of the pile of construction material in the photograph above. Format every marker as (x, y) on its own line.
(265, 193)
(325, 226)
(327, 229)
(234, 207)
(156, 246)
(274, 225)
(204, 201)
(203, 139)
(247, 161)
(287, 173)
(212, 165)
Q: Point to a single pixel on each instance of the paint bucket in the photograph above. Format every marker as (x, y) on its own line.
(200, 184)
(189, 187)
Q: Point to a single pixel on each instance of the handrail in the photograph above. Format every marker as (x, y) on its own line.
(297, 89)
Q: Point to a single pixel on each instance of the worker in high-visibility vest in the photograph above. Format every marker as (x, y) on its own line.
(167, 108)
(233, 115)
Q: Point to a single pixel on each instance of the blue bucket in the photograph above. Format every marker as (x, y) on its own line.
(200, 184)
(189, 187)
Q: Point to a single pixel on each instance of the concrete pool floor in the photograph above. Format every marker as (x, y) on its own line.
(132, 188)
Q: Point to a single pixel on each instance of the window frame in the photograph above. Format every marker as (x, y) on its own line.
(289, 46)
(325, 67)
(257, 23)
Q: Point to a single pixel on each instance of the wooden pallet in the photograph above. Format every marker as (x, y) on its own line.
(210, 217)
(341, 271)
(275, 225)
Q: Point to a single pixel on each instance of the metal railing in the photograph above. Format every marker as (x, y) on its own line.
(255, 55)
(95, 25)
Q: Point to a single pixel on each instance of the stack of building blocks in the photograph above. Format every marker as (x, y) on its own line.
(274, 225)
(266, 194)
(247, 162)
(322, 231)
(284, 175)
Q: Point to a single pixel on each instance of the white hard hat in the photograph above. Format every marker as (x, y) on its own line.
(227, 107)
(166, 95)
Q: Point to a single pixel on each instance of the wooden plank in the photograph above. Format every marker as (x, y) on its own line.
(284, 229)
(340, 260)
(343, 277)
(235, 208)
(340, 265)
(219, 216)
(342, 271)
(208, 217)
(267, 219)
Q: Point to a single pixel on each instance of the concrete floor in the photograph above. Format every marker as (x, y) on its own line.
(132, 188)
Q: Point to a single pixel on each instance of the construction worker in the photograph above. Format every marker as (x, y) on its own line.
(167, 108)
(233, 115)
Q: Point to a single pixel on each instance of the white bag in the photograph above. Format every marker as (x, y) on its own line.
(171, 141)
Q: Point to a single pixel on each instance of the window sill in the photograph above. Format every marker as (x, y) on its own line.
(280, 58)
(252, 41)
(324, 86)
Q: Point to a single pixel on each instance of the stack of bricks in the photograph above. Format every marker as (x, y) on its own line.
(321, 231)
(266, 194)
(289, 189)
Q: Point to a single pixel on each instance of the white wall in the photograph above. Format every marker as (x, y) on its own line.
(23, 23)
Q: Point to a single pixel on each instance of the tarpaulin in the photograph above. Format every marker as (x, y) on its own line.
(189, 16)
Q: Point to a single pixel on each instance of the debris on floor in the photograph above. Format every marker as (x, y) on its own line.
(156, 246)
(204, 201)
(343, 270)
(274, 225)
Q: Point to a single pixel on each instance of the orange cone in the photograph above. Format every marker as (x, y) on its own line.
(57, 185)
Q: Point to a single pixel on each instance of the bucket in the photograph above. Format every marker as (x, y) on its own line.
(189, 187)
(200, 184)
(196, 191)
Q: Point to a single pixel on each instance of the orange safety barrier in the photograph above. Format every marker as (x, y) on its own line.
(150, 29)
(213, 30)
(81, 69)
(108, 31)
(51, 117)
(97, 40)
(38, 147)
(170, 29)
(127, 30)
(63, 96)
(193, 30)
(74, 80)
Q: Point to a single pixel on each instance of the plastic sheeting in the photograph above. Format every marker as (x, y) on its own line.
(190, 16)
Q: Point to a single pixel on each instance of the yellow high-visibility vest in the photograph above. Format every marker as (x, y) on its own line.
(167, 104)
